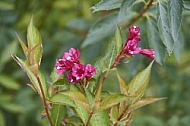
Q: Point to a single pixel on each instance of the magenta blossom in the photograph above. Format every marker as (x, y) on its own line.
(63, 65)
(134, 32)
(68, 60)
(72, 79)
(79, 71)
(148, 52)
(73, 55)
(90, 71)
(131, 46)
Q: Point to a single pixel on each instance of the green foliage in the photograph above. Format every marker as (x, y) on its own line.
(154, 40)
(107, 5)
(163, 27)
(63, 24)
(12, 84)
(57, 114)
(2, 119)
(62, 99)
(139, 83)
(100, 118)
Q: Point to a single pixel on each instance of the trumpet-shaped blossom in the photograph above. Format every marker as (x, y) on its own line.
(131, 45)
(134, 32)
(148, 52)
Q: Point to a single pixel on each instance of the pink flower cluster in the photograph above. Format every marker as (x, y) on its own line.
(130, 47)
(70, 62)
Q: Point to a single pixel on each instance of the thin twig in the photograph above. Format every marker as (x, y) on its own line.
(146, 7)
(44, 101)
(89, 118)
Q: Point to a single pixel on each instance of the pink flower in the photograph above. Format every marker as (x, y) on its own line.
(72, 79)
(148, 52)
(130, 47)
(78, 71)
(68, 60)
(134, 32)
(90, 71)
(73, 55)
(62, 65)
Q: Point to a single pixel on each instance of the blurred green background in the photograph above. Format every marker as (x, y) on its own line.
(64, 24)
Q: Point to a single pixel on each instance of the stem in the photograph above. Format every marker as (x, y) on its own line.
(122, 114)
(146, 7)
(102, 81)
(89, 118)
(44, 101)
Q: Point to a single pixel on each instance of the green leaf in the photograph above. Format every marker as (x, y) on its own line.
(35, 79)
(179, 46)
(155, 41)
(34, 44)
(175, 16)
(123, 89)
(125, 6)
(139, 83)
(29, 73)
(2, 119)
(57, 114)
(118, 39)
(125, 13)
(111, 100)
(62, 85)
(96, 104)
(100, 119)
(12, 107)
(107, 5)
(23, 45)
(74, 87)
(101, 30)
(5, 98)
(4, 56)
(104, 63)
(9, 82)
(114, 114)
(82, 112)
(143, 102)
(163, 26)
(6, 6)
(79, 98)
(54, 76)
(89, 96)
(186, 4)
(43, 83)
(61, 99)
(122, 84)
(76, 121)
